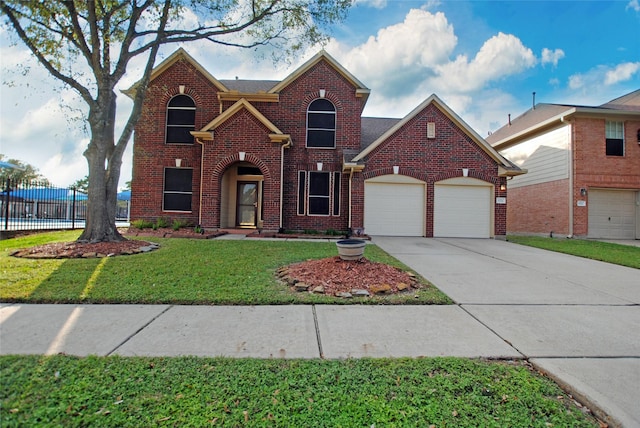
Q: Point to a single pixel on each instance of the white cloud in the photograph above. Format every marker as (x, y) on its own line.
(500, 56)
(604, 75)
(377, 4)
(549, 56)
(633, 5)
(621, 73)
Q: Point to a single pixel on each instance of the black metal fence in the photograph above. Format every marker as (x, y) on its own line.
(31, 205)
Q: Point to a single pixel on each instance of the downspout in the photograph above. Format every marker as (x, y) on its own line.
(199, 141)
(571, 200)
(350, 178)
(282, 147)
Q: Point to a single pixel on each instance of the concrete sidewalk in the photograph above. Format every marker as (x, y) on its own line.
(576, 319)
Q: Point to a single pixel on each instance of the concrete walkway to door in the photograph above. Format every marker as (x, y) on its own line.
(574, 318)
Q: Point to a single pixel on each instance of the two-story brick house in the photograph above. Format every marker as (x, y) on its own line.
(296, 154)
(583, 167)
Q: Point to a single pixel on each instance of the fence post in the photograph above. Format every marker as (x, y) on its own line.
(7, 189)
(73, 210)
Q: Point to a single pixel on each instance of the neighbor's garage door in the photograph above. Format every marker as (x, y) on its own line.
(394, 209)
(462, 211)
(612, 214)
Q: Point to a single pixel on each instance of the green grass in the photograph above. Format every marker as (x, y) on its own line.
(182, 271)
(196, 392)
(625, 255)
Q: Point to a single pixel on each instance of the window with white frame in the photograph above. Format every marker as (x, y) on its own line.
(177, 190)
(614, 134)
(321, 124)
(181, 119)
(319, 193)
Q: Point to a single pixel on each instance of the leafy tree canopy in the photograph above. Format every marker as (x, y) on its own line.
(25, 173)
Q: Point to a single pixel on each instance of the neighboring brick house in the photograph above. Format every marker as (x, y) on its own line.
(297, 155)
(583, 169)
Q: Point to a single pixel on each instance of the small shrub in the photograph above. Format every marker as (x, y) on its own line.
(141, 224)
(198, 229)
(178, 224)
(161, 223)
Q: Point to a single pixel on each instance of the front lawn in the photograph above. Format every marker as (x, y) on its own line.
(624, 255)
(197, 392)
(182, 271)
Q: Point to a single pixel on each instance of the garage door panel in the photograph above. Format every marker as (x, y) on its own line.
(462, 211)
(394, 209)
(612, 214)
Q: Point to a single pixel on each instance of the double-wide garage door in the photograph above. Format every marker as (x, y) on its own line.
(397, 207)
(613, 214)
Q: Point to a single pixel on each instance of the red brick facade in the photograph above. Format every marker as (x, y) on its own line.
(271, 136)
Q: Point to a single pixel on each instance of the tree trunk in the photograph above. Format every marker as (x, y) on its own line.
(104, 160)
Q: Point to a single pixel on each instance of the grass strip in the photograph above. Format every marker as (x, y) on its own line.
(194, 392)
(624, 255)
(182, 271)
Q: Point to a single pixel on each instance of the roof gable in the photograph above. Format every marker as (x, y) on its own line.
(438, 103)
(235, 108)
(171, 60)
(361, 89)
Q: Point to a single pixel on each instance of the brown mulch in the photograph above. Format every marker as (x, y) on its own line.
(336, 275)
(69, 250)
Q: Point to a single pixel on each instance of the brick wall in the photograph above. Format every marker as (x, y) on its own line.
(594, 169)
(539, 208)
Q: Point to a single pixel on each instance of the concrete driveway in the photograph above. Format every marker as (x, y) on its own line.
(576, 319)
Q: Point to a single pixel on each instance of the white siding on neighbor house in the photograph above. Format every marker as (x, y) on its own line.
(394, 205)
(545, 157)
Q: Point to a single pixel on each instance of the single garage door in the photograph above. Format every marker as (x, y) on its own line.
(462, 211)
(394, 209)
(612, 214)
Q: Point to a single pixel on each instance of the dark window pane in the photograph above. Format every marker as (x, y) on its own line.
(317, 138)
(336, 193)
(321, 105)
(301, 190)
(177, 179)
(615, 147)
(319, 206)
(179, 135)
(181, 117)
(181, 101)
(248, 170)
(177, 202)
(322, 120)
(318, 184)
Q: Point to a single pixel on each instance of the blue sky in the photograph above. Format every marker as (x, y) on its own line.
(483, 58)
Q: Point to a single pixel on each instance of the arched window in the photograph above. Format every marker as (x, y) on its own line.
(181, 118)
(321, 124)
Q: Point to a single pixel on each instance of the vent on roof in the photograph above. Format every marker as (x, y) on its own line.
(431, 130)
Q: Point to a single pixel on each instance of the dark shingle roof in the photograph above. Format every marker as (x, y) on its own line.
(249, 86)
(373, 128)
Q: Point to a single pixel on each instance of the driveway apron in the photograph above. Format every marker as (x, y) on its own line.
(576, 319)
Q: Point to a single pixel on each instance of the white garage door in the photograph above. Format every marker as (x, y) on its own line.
(394, 209)
(462, 211)
(612, 214)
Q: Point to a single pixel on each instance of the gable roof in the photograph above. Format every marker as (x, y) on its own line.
(507, 168)
(361, 89)
(235, 108)
(546, 116)
(179, 54)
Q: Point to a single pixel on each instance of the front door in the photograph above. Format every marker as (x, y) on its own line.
(247, 204)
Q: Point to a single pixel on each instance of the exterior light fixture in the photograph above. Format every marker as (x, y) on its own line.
(241, 155)
(583, 191)
(503, 187)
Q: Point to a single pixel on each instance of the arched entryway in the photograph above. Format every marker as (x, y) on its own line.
(242, 196)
